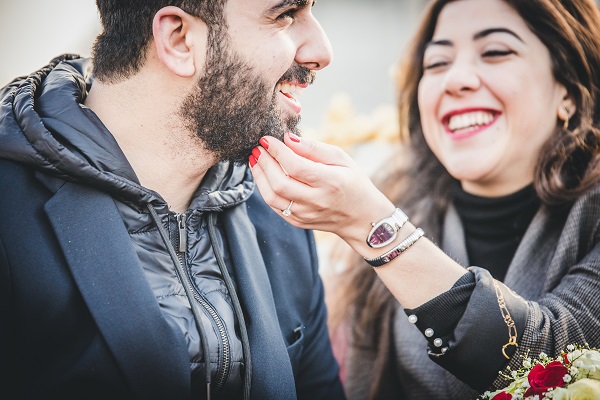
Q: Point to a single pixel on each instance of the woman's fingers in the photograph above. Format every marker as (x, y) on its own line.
(329, 191)
(317, 151)
(278, 156)
(274, 200)
(306, 160)
(276, 186)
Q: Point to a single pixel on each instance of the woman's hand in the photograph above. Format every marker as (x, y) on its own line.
(329, 191)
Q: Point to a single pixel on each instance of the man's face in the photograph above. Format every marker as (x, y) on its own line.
(253, 73)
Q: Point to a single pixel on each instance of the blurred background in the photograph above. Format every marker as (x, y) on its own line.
(355, 92)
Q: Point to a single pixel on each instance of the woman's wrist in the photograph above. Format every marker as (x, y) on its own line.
(359, 241)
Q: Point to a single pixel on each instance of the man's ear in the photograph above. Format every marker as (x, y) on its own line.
(180, 40)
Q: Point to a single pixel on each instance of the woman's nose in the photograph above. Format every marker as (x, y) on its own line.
(462, 77)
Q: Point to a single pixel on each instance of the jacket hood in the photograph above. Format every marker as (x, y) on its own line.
(44, 125)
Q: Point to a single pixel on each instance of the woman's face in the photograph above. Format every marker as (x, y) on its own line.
(488, 100)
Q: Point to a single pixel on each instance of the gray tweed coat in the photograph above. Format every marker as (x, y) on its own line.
(554, 278)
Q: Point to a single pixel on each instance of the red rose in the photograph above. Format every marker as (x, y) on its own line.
(543, 378)
(502, 396)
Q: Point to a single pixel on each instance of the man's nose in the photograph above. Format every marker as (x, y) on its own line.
(314, 51)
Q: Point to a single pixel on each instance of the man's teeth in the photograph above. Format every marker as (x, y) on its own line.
(290, 89)
(468, 120)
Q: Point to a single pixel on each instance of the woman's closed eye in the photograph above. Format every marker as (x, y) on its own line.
(436, 61)
(497, 53)
(435, 65)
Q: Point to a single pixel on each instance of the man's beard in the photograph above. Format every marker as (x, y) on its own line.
(231, 108)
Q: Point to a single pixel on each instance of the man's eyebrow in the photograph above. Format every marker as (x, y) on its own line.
(287, 3)
(477, 36)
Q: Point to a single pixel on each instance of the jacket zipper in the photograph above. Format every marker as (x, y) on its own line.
(224, 365)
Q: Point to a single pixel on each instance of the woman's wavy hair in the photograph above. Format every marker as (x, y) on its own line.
(567, 167)
(120, 50)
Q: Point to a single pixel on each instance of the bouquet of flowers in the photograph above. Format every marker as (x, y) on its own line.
(574, 375)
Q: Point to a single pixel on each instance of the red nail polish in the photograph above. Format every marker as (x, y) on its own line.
(252, 161)
(256, 153)
(264, 143)
(294, 138)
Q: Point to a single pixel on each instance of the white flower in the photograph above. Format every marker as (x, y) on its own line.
(584, 389)
(574, 355)
(570, 347)
(587, 361)
(567, 378)
(560, 394)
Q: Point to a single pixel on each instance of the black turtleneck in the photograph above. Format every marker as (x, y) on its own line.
(494, 226)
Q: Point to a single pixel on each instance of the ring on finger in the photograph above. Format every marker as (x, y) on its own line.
(288, 211)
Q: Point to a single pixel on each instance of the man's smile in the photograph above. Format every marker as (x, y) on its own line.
(289, 92)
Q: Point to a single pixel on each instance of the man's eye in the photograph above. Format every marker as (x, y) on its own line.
(290, 14)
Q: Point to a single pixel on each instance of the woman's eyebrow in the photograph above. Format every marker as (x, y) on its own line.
(487, 32)
(477, 36)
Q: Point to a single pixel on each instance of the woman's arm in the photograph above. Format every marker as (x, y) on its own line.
(332, 194)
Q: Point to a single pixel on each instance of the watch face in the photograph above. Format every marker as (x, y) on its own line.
(382, 235)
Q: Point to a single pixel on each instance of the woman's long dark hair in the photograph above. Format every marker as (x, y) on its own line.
(568, 164)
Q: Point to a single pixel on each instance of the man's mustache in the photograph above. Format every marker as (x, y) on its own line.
(299, 74)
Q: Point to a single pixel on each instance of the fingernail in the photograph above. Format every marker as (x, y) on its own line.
(264, 143)
(252, 161)
(294, 137)
(256, 153)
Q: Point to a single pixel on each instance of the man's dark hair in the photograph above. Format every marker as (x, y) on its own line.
(120, 50)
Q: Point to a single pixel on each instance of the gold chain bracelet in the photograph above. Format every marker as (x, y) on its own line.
(512, 329)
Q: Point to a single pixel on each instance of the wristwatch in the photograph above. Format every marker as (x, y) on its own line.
(396, 251)
(385, 231)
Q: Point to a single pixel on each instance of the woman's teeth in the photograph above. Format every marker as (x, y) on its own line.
(469, 120)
